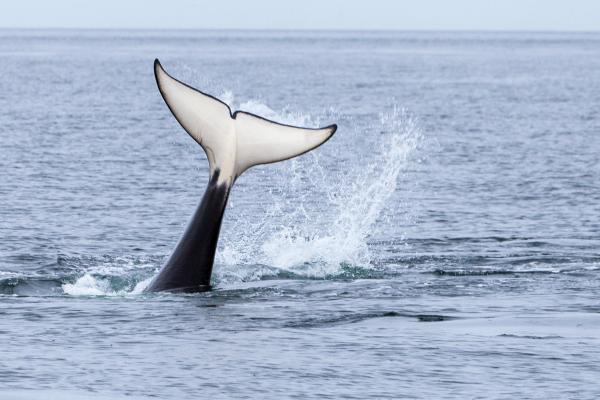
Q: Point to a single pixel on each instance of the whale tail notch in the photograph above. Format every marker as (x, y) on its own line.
(234, 142)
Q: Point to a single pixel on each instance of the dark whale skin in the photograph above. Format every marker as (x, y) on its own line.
(189, 267)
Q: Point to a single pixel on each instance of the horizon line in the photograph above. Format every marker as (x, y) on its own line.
(306, 30)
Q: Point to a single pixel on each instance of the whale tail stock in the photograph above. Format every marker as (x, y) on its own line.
(233, 142)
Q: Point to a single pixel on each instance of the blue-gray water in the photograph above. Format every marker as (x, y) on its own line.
(445, 243)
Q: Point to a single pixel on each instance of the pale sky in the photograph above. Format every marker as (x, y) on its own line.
(540, 15)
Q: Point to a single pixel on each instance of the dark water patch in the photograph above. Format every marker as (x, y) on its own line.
(399, 245)
(80, 262)
(530, 336)
(576, 271)
(433, 318)
(467, 239)
(591, 308)
(220, 296)
(498, 260)
(359, 317)
(442, 272)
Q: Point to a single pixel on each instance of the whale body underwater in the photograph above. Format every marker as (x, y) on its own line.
(233, 142)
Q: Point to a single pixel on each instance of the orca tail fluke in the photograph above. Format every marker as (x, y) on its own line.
(234, 142)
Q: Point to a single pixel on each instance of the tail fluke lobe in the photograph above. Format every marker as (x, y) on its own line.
(234, 142)
(260, 141)
(206, 119)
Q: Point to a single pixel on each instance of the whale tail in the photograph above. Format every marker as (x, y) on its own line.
(234, 142)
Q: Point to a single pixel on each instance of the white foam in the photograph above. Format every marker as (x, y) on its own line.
(140, 286)
(112, 276)
(87, 285)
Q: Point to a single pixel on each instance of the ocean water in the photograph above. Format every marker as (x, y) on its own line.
(445, 243)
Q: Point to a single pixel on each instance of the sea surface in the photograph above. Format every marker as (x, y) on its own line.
(445, 243)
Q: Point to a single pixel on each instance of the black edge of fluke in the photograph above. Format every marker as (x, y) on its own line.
(157, 63)
(233, 114)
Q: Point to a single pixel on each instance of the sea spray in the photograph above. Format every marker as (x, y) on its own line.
(292, 234)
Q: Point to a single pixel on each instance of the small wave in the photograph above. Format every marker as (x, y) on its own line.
(111, 276)
(359, 317)
(530, 336)
(30, 286)
(230, 274)
(84, 276)
(484, 272)
(474, 265)
(574, 269)
(89, 285)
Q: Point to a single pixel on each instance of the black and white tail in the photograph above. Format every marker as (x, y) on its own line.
(233, 143)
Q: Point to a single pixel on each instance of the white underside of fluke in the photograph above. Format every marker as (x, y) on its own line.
(234, 142)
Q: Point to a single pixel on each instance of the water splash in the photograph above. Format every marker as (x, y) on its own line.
(314, 215)
(320, 217)
(112, 276)
(89, 285)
